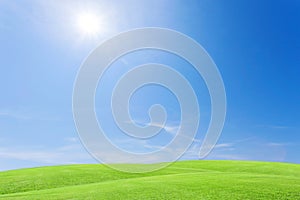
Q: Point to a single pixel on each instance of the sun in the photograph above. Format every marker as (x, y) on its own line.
(89, 24)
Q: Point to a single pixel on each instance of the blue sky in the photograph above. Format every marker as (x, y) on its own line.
(255, 45)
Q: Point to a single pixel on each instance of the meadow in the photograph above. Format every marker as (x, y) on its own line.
(181, 180)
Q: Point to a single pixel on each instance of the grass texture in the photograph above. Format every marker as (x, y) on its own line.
(181, 180)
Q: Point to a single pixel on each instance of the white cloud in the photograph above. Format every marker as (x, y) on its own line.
(220, 150)
(27, 114)
(274, 126)
(169, 128)
(223, 145)
(172, 129)
(67, 154)
(274, 144)
(71, 139)
(15, 115)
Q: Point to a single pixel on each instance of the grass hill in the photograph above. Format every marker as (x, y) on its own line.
(181, 180)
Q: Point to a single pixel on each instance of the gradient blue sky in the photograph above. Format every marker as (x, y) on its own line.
(255, 45)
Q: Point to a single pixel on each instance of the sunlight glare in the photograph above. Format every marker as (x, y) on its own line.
(89, 24)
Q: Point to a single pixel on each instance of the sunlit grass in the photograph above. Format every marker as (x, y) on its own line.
(182, 180)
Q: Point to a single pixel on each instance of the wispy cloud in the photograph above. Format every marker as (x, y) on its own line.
(15, 115)
(71, 139)
(274, 126)
(27, 114)
(193, 151)
(250, 149)
(223, 145)
(274, 144)
(169, 128)
(172, 129)
(70, 153)
(220, 150)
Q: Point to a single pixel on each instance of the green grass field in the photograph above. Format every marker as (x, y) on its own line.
(181, 180)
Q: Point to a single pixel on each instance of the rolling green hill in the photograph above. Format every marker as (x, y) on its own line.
(181, 180)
